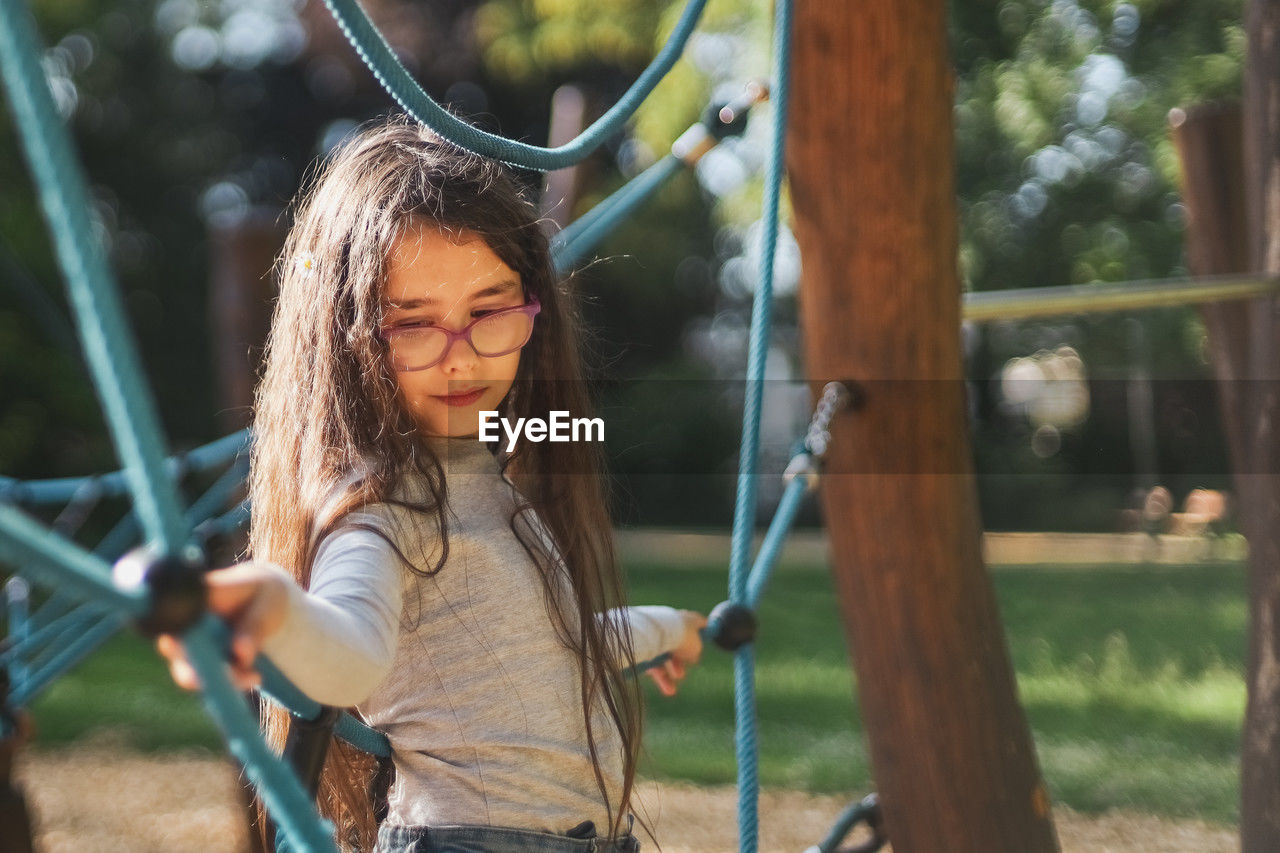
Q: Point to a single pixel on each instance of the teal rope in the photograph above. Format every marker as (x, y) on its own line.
(63, 565)
(223, 524)
(129, 408)
(81, 646)
(377, 54)
(744, 509)
(215, 497)
(85, 616)
(55, 607)
(283, 794)
(276, 687)
(120, 538)
(281, 691)
(18, 604)
(32, 638)
(585, 233)
(115, 483)
(771, 547)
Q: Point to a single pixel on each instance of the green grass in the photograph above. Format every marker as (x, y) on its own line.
(124, 689)
(1131, 677)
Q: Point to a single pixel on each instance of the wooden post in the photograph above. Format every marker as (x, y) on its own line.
(241, 290)
(1211, 151)
(1260, 753)
(1231, 162)
(1231, 166)
(870, 161)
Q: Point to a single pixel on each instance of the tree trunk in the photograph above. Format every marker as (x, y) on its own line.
(870, 161)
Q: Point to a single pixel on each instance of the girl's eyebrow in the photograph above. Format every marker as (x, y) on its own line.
(504, 286)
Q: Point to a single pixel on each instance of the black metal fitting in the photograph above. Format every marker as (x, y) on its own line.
(729, 118)
(307, 743)
(733, 625)
(857, 394)
(175, 586)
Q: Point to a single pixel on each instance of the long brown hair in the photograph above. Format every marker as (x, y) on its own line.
(331, 434)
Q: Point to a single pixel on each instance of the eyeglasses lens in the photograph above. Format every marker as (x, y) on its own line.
(500, 334)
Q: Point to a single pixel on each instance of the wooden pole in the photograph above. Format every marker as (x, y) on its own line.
(1231, 184)
(870, 164)
(1260, 753)
(1208, 139)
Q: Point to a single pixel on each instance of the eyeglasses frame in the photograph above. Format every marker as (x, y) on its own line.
(531, 308)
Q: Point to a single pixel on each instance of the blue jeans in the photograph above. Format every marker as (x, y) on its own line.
(500, 839)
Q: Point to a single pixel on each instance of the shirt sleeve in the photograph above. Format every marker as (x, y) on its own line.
(654, 628)
(337, 641)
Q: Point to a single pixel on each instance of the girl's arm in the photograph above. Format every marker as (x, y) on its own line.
(335, 643)
(655, 630)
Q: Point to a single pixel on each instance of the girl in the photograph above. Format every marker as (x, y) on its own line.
(464, 600)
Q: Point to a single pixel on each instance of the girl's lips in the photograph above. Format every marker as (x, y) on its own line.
(461, 399)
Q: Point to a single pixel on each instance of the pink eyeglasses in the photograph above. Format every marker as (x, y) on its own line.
(417, 347)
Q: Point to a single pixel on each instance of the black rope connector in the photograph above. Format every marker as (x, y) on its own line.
(175, 586)
(732, 625)
(865, 811)
(723, 119)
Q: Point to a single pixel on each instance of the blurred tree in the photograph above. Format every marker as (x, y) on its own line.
(189, 113)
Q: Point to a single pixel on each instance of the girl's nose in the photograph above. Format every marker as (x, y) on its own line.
(458, 355)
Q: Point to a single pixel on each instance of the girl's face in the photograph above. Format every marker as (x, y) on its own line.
(433, 280)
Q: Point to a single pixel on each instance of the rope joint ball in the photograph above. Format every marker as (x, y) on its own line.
(731, 625)
(720, 120)
(174, 583)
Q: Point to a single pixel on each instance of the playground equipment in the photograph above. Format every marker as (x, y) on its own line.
(157, 586)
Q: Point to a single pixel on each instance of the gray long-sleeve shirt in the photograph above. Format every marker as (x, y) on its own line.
(462, 670)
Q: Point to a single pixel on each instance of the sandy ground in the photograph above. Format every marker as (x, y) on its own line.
(98, 797)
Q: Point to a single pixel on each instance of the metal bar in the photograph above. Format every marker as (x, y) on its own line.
(1109, 297)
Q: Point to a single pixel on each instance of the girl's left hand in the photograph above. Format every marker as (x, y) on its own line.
(669, 674)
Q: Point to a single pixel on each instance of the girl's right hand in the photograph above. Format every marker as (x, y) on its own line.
(253, 600)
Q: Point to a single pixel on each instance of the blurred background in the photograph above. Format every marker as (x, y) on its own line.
(198, 120)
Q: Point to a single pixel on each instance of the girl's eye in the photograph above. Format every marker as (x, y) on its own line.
(413, 324)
